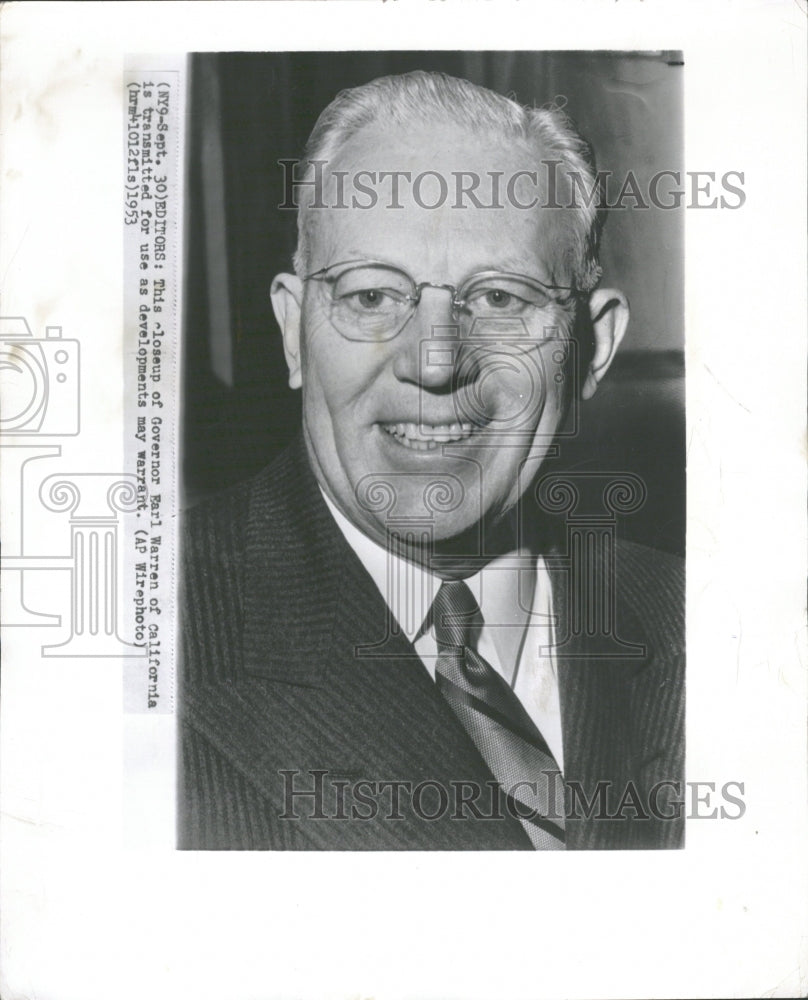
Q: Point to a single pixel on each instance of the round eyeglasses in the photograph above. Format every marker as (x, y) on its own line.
(373, 301)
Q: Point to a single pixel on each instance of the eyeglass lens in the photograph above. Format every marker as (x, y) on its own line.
(374, 302)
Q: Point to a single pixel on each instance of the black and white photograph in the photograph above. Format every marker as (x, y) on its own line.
(448, 612)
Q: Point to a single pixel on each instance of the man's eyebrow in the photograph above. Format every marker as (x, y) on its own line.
(532, 267)
(523, 265)
(364, 255)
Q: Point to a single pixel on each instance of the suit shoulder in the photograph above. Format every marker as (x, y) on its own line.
(651, 565)
(651, 589)
(222, 534)
(222, 518)
(218, 513)
(212, 537)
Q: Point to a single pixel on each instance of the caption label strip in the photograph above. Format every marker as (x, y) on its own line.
(152, 214)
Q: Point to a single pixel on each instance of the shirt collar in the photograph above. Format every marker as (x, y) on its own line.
(503, 588)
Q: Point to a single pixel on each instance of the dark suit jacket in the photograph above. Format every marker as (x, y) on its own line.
(274, 691)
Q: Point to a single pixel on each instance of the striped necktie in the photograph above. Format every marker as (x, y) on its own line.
(494, 718)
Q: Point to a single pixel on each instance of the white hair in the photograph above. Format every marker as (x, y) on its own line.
(418, 97)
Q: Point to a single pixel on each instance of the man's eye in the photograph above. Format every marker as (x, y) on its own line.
(371, 300)
(499, 299)
(490, 300)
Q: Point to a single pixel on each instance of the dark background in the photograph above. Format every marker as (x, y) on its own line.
(247, 111)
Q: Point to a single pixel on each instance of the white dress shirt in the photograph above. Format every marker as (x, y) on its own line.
(515, 598)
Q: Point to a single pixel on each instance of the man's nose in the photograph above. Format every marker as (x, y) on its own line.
(428, 346)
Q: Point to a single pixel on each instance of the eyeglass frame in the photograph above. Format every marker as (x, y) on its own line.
(418, 287)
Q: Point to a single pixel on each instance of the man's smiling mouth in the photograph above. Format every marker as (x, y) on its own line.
(427, 437)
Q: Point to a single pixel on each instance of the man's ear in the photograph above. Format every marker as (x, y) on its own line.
(287, 300)
(609, 312)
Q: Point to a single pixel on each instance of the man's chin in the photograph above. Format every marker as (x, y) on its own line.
(444, 544)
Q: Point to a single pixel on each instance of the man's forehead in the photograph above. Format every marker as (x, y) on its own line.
(437, 144)
(438, 195)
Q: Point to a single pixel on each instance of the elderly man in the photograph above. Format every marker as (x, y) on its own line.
(383, 641)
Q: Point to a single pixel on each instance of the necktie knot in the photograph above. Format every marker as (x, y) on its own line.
(456, 616)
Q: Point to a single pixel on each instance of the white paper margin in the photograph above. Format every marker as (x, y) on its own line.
(85, 915)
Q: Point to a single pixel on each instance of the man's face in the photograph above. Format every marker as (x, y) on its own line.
(425, 427)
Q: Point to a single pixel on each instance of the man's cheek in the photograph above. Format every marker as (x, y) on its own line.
(317, 335)
(511, 389)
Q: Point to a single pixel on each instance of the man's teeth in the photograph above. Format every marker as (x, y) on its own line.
(423, 437)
